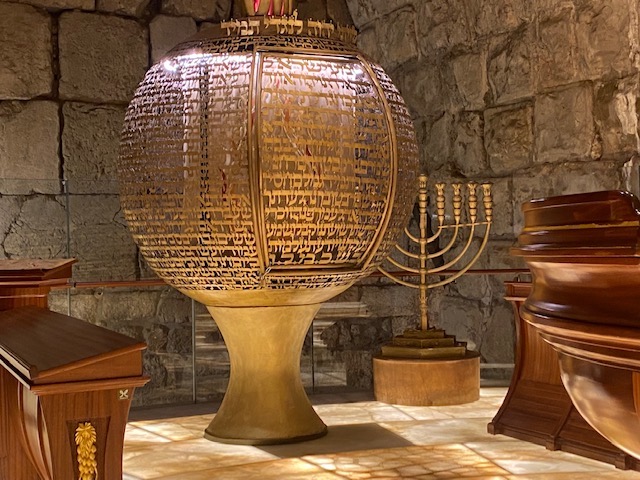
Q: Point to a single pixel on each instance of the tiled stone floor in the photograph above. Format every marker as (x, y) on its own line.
(366, 439)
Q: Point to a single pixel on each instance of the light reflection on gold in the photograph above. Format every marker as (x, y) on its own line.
(85, 438)
(251, 163)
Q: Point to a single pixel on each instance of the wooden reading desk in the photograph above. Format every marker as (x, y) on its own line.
(65, 385)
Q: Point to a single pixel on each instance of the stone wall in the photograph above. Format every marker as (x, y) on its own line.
(68, 69)
(538, 97)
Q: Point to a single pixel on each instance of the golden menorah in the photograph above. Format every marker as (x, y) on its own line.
(426, 342)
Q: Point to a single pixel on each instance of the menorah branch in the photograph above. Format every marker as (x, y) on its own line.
(463, 215)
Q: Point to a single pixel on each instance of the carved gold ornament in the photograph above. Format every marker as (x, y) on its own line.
(86, 451)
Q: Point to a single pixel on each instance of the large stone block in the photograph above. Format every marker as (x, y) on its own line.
(338, 12)
(616, 116)
(215, 10)
(359, 369)
(489, 289)
(166, 32)
(607, 37)
(399, 325)
(423, 89)
(90, 141)
(509, 137)
(107, 306)
(156, 338)
(102, 58)
(400, 45)
(9, 210)
(501, 190)
(474, 287)
(38, 231)
(564, 125)
(312, 9)
(29, 140)
(492, 17)
(468, 146)
(179, 340)
(583, 177)
(442, 25)
(138, 313)
(175, 308)
(61, 4)
(135, 8)
(100, 240)
(357, 334)
(365, 11)
(25, 52)
(463, 318)
(434, 139)
(631, 176)
(497, 256)
(545, 10)
(390, 300)
(556, 52)
(527, 185)
(368, 42)
(470, 75)
(510, 69)
(499, 336)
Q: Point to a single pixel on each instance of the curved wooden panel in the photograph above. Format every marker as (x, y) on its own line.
(584, 253)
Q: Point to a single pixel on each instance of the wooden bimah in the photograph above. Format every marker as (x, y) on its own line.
(65, 387)
(579, 327)
(537, 407)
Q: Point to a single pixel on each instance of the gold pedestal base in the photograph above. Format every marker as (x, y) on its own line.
(416, 382)
(265, 402)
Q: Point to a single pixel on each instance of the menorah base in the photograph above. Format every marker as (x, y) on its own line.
(428, 382)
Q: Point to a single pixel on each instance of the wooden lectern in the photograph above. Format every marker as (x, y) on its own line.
(28, 282)
(537, 407)
(580, 323)
(65, 385)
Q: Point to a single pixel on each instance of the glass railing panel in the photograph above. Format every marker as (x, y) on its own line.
(159, 316)
(212, 359)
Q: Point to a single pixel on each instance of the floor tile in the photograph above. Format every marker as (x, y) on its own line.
(366, 440)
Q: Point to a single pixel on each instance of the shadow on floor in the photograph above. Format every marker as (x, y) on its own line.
(341, 438)
(140, 414)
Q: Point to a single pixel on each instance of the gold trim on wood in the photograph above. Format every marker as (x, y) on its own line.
(86, 450)
(581, 226)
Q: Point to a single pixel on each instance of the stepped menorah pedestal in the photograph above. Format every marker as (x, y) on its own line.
(426, 366)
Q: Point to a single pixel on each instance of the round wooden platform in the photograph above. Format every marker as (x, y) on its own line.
(408, 381)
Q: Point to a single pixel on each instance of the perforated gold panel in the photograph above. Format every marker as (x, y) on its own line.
(266, 161)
